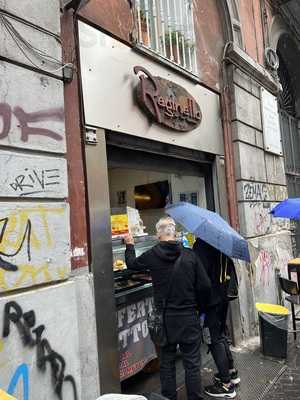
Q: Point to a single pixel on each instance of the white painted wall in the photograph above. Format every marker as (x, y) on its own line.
(27, 175)
(87, 337)
(35, 233)
(35, 242)
(25, 91)
(47, 43)
(41, 13)
(56, 308)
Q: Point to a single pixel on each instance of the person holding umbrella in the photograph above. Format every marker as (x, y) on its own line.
(217, 243)
(180, 288)
(221, 272)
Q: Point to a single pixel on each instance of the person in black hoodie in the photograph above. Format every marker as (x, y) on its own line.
(220, 270)
(189, 291)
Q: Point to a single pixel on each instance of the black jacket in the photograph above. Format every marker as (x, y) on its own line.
(191, 285)
(218, 267)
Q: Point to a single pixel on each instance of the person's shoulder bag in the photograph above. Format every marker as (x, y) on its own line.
(156, 318)
(233, 283)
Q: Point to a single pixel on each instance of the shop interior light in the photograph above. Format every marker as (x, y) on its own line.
(142, 197)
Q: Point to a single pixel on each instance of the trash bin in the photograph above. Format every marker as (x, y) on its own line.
(273, 329)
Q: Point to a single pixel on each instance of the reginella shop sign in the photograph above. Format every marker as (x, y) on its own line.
(167, 103)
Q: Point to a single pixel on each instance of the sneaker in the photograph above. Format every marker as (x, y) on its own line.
(234, 377)
(220, 390)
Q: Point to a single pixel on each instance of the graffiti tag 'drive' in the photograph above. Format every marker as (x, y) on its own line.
(33, 337)
(34, 181)
(6, 113)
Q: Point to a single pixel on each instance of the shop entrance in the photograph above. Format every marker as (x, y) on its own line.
(141, 183)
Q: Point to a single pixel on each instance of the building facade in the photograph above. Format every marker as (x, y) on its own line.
(106, 105)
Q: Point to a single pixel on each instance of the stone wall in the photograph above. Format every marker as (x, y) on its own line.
(261, 184)
(43, 308)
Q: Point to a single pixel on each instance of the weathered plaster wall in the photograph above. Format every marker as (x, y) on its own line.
(38, 324)
(55, 314)
(210, 42)
(252, 29)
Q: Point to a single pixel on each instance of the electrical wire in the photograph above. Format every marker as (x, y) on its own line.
(22, 42)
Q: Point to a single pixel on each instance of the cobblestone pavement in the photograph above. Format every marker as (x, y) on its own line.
(287, 386)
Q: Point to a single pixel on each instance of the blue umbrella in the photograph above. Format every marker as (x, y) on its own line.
(211, 228)
(289, 208)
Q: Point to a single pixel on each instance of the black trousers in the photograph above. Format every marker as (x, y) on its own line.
(216, 322)
(183, 331)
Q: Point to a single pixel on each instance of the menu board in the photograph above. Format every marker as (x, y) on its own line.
(136, 346)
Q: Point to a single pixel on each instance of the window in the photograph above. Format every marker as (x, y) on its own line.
(182, 197)
(167, 28)
(189, 197)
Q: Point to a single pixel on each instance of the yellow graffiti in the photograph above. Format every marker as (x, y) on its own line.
(2, 363)
(29, 274)
(62, 272)
(5, 396)
(16, 225)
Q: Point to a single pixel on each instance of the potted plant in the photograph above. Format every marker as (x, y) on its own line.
(189, 48)
(171, 43)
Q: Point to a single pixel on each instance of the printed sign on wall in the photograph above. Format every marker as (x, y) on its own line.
(271, 125)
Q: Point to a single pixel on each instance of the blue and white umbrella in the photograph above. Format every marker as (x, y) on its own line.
(211, 228)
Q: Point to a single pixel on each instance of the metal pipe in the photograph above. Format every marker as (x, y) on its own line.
(138, 8)
(194, 62)
(147, 23)
(182, 36)
(163, 28)
(154, 12)
(228, 150)
(188, 35)
(176, 33)
(170, 30)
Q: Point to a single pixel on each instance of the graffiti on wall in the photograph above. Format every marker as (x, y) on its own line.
(21, 374)
(33, 336)
(259, 221)
(264, 265)
(32, 176)
(257, 192)
(39, 354)
(24, 119)
(34, 119)
(34, 244)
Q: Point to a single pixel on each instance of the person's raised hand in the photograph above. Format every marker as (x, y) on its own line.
(128, 239)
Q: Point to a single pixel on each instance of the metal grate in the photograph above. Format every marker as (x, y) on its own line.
(167, 28)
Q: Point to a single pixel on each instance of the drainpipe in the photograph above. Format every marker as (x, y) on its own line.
(228, 146)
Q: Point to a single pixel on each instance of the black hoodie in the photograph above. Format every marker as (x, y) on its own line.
(218, 267)
(190, 285)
